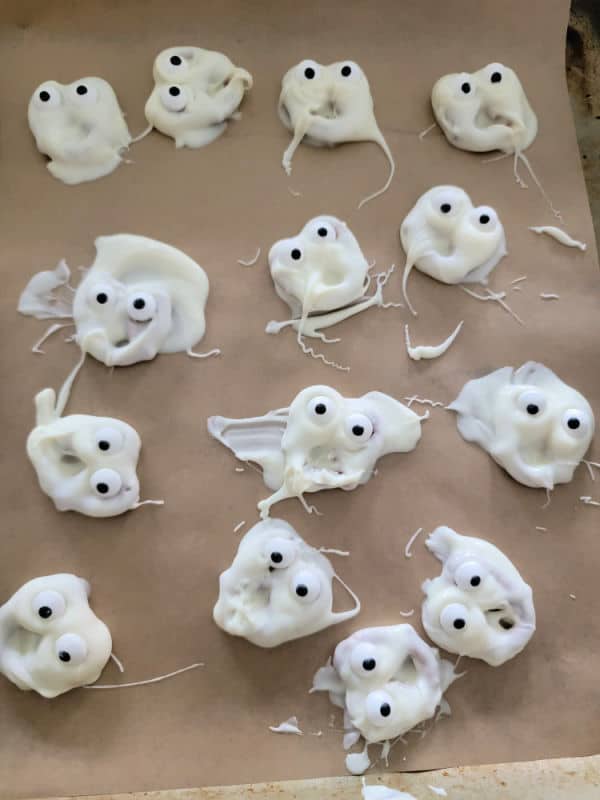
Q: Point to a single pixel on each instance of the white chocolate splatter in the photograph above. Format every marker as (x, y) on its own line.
(559, 235)
(196, 92)
(549, 296)
(251, 262)
(379, 792)
(479, 606)
(80, 127)
(411, 541)
(329, 105)
(290, 726)
(430, 351)
(439, 790)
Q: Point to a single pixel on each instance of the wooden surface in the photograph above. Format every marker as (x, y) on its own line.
(559, 779)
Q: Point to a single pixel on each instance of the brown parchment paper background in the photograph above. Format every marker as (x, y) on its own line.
(154, 571)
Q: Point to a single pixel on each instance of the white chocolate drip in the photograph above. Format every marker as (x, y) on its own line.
(147, 681)
(290, 726)
(430, 351)
(559, 235)
(251, 262)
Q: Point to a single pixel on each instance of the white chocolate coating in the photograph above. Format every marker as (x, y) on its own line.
(50, 639)
(533, 424)
(484, 110)
(322, 441)
(130, 271)
(479, 606)
(329, 105)
(447, 238)
(80, 127)
(84, 463)
(196, 91)
(277, 589)
(387, 680)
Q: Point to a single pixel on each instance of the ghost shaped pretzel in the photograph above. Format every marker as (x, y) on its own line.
(84, 463)
(278, 588)
(479, 606)
(50, 639)
(196, 92)
(322, 441)
(447, 238)
(531, 423)
(387, 680)
(80, 127)
(329, 105)
(484, 110)
(139, 298)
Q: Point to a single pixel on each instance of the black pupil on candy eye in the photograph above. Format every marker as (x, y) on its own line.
(276, 558)
(320, 408)
(459, 624)
(358, 430)
(296, 254)
(484, 219)
(64, 656)
(309, 73)
(139, 303)
(369, 664)
(496, 77)
(101, 298)
(573, 423)
(475, 580)
(44, 96)
(175, 60)
(45, 612)
(466, 88)
(445, 208)
(174, 91)
(103, 445)
(81, 89)
(385, 710)
(301, 590)
(533, 409)
(102, 488)
(322, 231)
(346, 70)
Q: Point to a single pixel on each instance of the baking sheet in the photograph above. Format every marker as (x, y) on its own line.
(154, 571)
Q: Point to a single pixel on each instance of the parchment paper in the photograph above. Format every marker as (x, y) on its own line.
(154, 571)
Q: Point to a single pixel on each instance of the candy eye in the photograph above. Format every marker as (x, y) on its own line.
(484, 219)
(141, 307)
(109, 439)
(447, 204)
(469, 576)
(465, 87)
(106, 482)
(576, 423)
(359, 428)
(364, 659)
(496, 77)
(280, 552)
(71, 649)
(322, 231)
(101, 294)
(321, 410)
(47, 96)
(83, 93)
(532, 402)
(453, 618)
(379, 706)
(296, 254)
(306, 586)
(309, 69)
(173, 98)
(349, 70)
(49, 605)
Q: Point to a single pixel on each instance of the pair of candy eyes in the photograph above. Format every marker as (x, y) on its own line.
(305, 584)
(51, 97)
(322, 411)
(141, 306)
(533, 404)
(495, 77)
(485, 215)
(310, 71)
(69, 648)
(321, 232)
